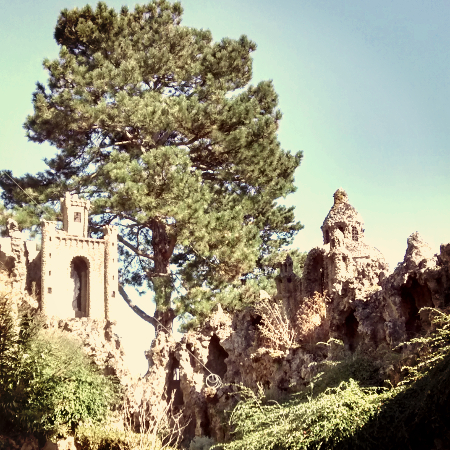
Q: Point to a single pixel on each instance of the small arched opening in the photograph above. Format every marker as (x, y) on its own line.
(355, 234)
(216, 357)
(348, 330)
(174, 387)
(79, 275)
(414, 296)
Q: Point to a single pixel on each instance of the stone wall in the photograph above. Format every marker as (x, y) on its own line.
(79, 275)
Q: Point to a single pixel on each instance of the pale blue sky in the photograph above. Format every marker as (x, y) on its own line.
(363, 86)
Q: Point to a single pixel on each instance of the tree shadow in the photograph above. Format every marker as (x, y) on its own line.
(416, 419)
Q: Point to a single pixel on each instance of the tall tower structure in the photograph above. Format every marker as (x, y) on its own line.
(343, 217)
(79, 275)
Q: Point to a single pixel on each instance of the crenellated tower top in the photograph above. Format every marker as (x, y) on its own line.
(75, 213)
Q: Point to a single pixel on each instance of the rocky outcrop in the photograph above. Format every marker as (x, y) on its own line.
(345, 294)
(20, 259)
(100, 343)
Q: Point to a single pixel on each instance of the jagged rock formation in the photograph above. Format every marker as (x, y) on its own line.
(345, 293)
(20, 259)
(100, 343)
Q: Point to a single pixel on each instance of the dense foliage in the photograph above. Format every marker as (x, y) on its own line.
(157, 125)
(412, 415)
(47, 383)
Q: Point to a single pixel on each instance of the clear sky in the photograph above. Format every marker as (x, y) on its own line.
(363, 86)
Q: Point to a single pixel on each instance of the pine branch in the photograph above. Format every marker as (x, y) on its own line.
(133, 248)
(143, 315)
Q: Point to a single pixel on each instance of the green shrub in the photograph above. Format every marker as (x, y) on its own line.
(201, 443)
(323, 421)
(47, 383)
(413, 415)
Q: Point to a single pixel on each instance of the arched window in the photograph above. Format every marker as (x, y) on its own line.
(79, 275)
(354, 234)
(327, 237)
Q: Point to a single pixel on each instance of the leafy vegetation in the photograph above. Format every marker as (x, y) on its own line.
(358, 414)
(47, 383)
(157, 125)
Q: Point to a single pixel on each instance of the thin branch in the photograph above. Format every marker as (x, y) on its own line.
(143, 315)
(132, 247)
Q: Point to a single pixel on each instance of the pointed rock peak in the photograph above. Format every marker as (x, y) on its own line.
(340, 196)
(418, 249)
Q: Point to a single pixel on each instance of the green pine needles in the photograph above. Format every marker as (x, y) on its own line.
(157, 125)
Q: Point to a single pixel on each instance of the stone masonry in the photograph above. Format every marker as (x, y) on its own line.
(345, 302)
(75, 275)
(79, 274)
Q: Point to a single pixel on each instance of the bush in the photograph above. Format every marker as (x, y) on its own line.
(160, 431)
(201, 443)
(47, 383)
(413, 415)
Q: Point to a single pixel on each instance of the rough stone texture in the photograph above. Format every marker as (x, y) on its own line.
(19, 443)
(100, 343)
(345, 293)
(20, 259)
(73, 275)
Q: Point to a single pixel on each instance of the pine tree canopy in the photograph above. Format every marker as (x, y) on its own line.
(157, 125)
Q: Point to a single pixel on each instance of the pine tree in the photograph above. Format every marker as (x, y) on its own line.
(157, 125)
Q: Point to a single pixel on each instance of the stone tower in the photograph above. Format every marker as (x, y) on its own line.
(343, 221)
(78, 274)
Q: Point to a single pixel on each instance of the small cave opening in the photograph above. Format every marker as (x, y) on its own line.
(349, 333)
(190, 349)
(173, 385)
(316, 275)
(216, 357)
(414, 296)
(447, 299)
(256, 320)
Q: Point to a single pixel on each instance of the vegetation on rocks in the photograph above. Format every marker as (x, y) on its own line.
(47, 383)
(340, 412)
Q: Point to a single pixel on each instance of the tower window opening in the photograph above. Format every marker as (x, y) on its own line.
(327, 237)
(176, 374)
(49, 290)
(79, 274)
(354, 234)
(77, 217)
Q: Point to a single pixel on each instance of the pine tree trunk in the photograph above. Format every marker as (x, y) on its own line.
(162, 250)
(162, 281)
